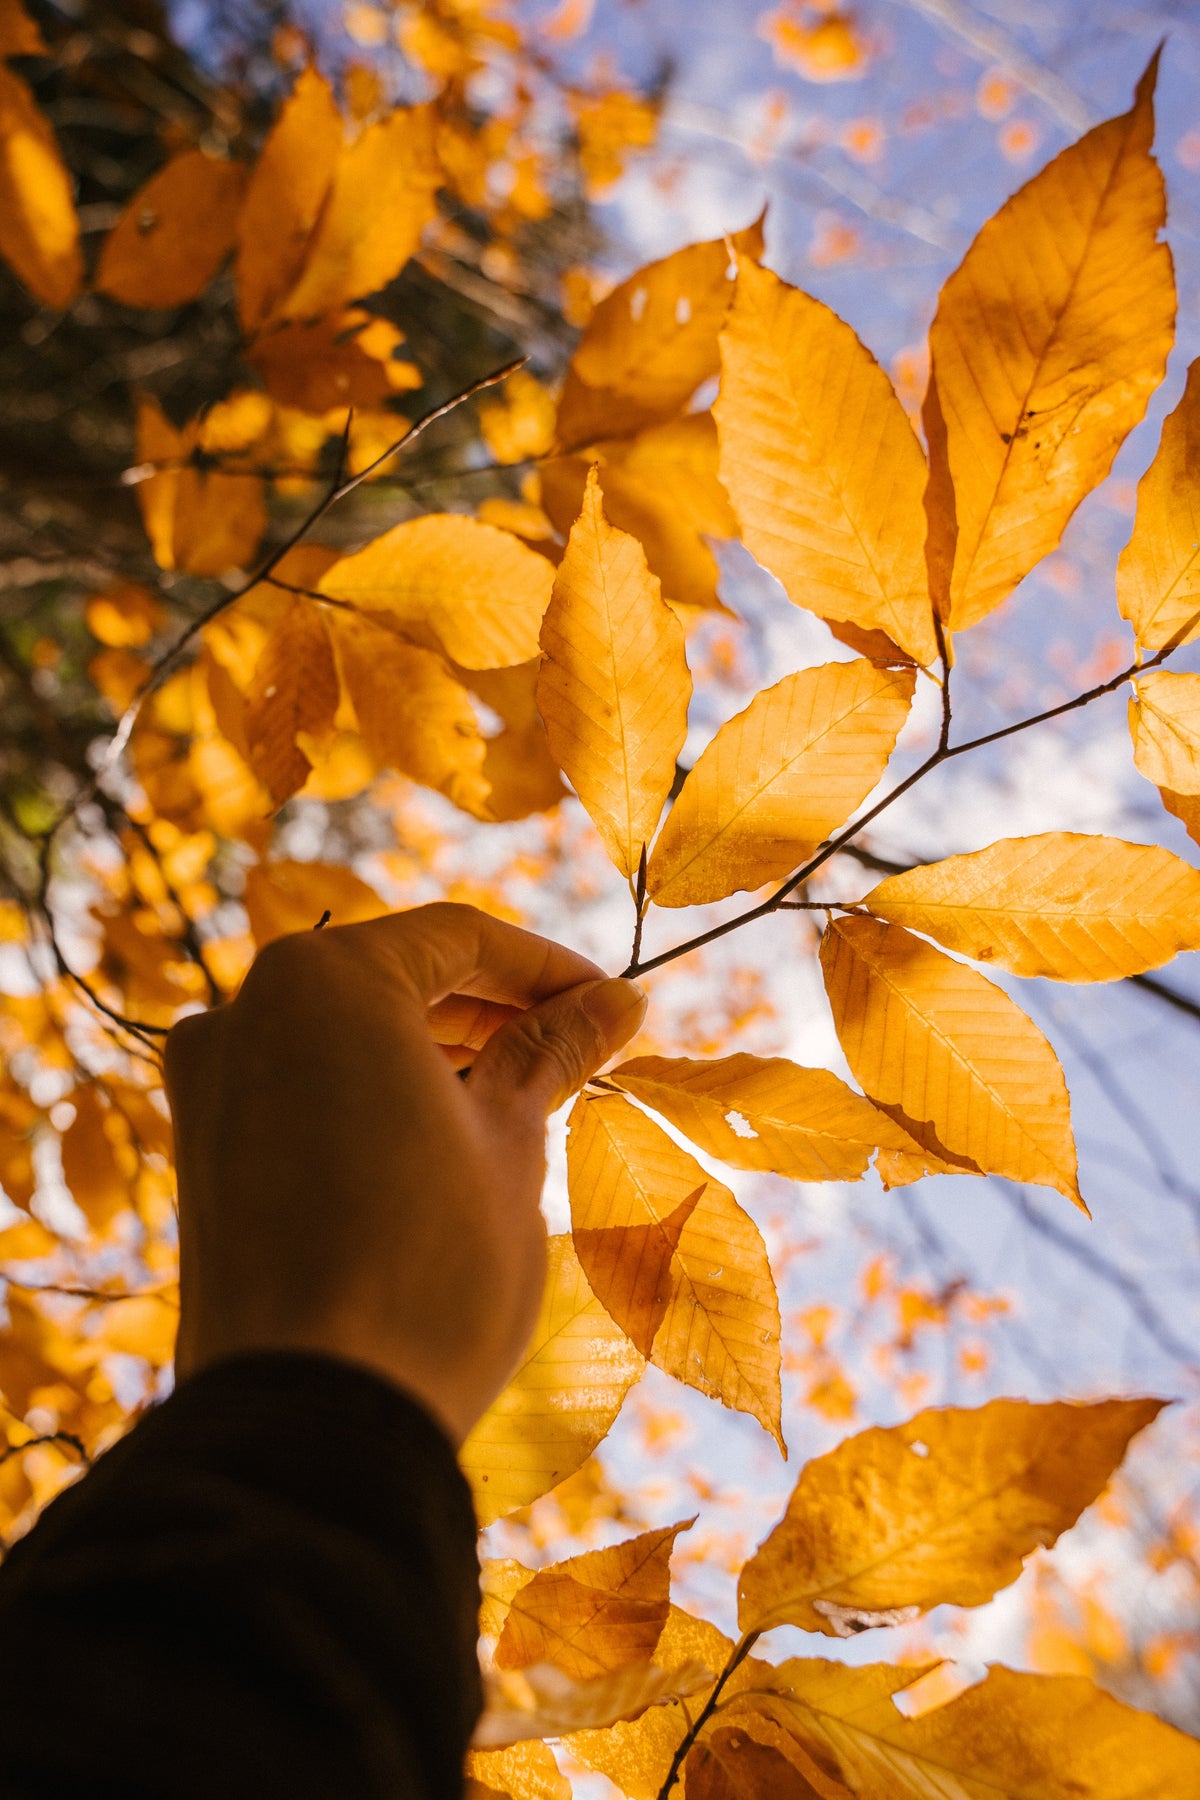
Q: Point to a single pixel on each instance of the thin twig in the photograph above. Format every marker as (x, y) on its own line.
(639, 902)
(737, 1656)
(49, 1437)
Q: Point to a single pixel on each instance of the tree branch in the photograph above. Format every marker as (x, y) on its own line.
(736, 1657)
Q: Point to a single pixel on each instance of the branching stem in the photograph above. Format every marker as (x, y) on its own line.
(737, 1656)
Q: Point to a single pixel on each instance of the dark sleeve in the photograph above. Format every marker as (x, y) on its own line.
(268, 1589)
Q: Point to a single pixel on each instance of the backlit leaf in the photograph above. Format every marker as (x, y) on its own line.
(39, 230)
(614, 685)
(1186, 808)
(760, 1112)
(679, 1265)
(524, 1771)
(343, 359)
(481, 592)
(1061, 904)
(284, 197)
(560, 1403)
(940, 1510)
(175, 233)
(295, 688)
(729, 1764)
(380, 201)
(204, 523)
(522, 775)
(946, 1047)
(1049, 340)
(778, 779)
(821, 463)
(1158, 574)
(1164, 721)
(1011, 1737)
(284, 896)
(91, 1166)
(594, 1612)
(542, 1702)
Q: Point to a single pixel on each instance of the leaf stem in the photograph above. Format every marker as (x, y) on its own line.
(737, 1656)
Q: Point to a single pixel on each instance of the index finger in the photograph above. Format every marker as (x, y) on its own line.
(445, 948)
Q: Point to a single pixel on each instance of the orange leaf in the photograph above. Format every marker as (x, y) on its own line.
(295, 688)
(39, 230)
(174, 234)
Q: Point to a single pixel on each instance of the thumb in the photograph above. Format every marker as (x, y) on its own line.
(541, 1058)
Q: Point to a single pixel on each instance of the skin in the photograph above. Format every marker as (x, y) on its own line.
(361, 1147)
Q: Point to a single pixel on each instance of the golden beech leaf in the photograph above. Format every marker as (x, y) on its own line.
(344, 359)
(679, 1265)
(760, 1112)
(561, 1402)
(284, 197)
(1164, 722)
(614, 684)
(730, 1764)
(522, 775)
(662, 487)
(1061, 904)
(174, 234)
(1011, 1737)
(481, 592)
(294, 688)
(821, 463)
(650, 343)
(941, 1510)
(205, 524)
(19, 35)
(542, 1702)
(414, 717)
(524, 1771)
(18, 1119)
(39, 229)
(379, 203)
(282, 897)
(92, 1169)
(939, 1042)
(1049, 340)
(1186, 808)
(595, 1612)
(1158, 573)
(778, 779)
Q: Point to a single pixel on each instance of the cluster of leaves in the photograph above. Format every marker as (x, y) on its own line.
(487, 658)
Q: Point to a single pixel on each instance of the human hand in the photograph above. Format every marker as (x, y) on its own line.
(341, 1187)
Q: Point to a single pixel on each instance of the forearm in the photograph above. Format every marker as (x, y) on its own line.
(269, 1587)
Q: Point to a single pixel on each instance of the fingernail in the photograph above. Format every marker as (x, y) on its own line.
(615, 1006)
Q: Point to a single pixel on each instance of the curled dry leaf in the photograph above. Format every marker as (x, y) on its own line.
(543, 1702)
(1061, 904)
(1164, 722)
(560, 1403)
(939, 1045)
(778, 779)
(942, 1509)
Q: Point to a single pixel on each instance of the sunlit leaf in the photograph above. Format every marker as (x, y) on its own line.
(614, 685)
(821, 463)
(729, 1764)
(560, 1403)
(1186, 808)
(39, 230)
(778, 779)
(175, 233)
(201, 522)
(1061, 904)
(944, 1047)
(521, 773)
(940, 1510)
(1049, 340)
(344, 359)
(679, 1265)
(295, 688)
(543, 1702)
(1158, 573)
(92, 1169)
(481, 592)
(285, 195)
(760, 1112)
(284, 896)
(524, 1771)
(1164, 721)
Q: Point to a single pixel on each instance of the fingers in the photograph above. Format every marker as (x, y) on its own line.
(467, 1023)
(446, 949)
(540, 1059)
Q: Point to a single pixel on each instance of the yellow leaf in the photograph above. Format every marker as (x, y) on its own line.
(1049, 340)
(481, 592)
(344, 359)
(939, 1042)
(521, 774)
(294, 688)
(203, 523)
(650, 344)
(1186, 808)
(124, 614)
(660, 486)
(778, 779)
(413, 716)
(525, 1771)
(1061, 904)
(560, 1403)
(174, 234)
(19, 35)
(595, 1612)
(1011, 1737)
(1158, 574)
(144, 1325)
(942, 1510)
(91, 1168)
(681, 1268)
(380, 201)
(614, 686)
(1164, 722)
(39, 230)
(543, 1702)
(281, 897)
(284, 197)
(764, 1113)
(18, 1118)
(821, 463)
